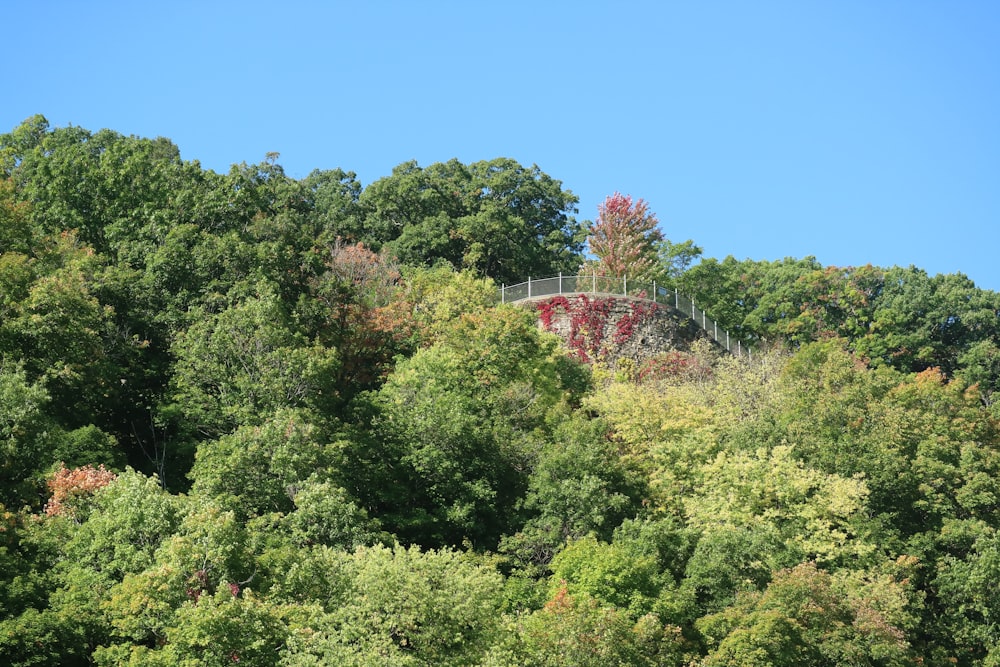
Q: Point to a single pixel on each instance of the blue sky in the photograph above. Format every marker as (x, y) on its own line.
(857, 132)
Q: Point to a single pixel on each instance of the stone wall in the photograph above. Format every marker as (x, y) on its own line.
(608, 328)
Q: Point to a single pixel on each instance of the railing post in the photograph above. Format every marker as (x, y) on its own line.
(529, 287)
(677, 301)
(654, 291)
(503, 293)
(624, 285)
(595, 283)
(716, 330)
(560, 282)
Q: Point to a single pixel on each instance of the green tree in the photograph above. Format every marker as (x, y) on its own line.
(16, 231)
(241, 364)
(405, 606)
(456, 427)
(21, 140)
(803, 619)
(495, 217)
(578, 486)
(326, 514)
(53, 322)
(256, 469)
(334, 196)
(578, 630)
(667, 433)
(815, 513)
(969, 599)
(435, 297)
(673, 259)
(921, 322)
(130, 518)
(25, 439)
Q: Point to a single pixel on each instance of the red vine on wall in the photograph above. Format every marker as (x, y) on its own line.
(627, 323)
(588, 320)
(547, 308)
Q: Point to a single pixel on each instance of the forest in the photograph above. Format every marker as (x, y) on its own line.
(248, 419)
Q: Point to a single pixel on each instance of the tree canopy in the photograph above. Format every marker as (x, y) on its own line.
(251, 419)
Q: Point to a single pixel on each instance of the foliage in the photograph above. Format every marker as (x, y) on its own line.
(286, 422)
(405, 606)
(577, 630)
(24, 436)
(244, 362)
(256, 469)
(802, 619)
(456, 426)
(578, 486)
(624, 237)
(495, 217)
(70, 486)
(435, 297)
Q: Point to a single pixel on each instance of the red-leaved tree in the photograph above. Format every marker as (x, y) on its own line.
(624, 237)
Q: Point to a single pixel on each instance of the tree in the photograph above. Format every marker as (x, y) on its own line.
(625, 574)
(256, 469)
(22, 139)
(575, 629)
(16, 231)
(26, 437)
(129, 519)
(673, 259)
(121, 194)
(71, 488)
(334, 195)
(578, 486)
(240, 365)
(668, 433)
(405, 606)
(193, 601)
(352, 305)
(434, 298)
(326, 514)
(722, 289)
(53, 322)
(496, 217)
(816, 514)
(455, 429)
(804, 618)
(969, 600)
(921, 322)
(843, 421)
(624, 238)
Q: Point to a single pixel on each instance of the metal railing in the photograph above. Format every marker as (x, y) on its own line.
(607, 286)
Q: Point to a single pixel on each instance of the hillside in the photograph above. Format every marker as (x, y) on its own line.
(251, 419)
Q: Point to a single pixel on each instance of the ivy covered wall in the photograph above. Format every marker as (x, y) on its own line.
(608, 329)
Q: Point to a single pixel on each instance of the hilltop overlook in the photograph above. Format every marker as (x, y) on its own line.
(247, 418)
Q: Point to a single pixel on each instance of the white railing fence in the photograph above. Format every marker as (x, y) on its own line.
(608, 286)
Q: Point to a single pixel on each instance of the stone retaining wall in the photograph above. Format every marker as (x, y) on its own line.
(608, 328)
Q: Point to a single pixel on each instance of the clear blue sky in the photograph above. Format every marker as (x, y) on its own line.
(856, 131)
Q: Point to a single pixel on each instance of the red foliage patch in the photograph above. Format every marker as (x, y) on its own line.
(638, 312)
(588, 319)
(67, 485)
(673, 366)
